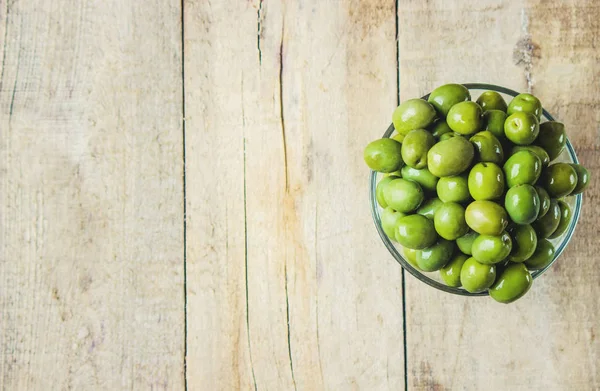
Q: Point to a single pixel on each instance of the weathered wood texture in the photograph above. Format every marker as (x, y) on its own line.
(91, 203)
(288, 288)
(547, 340)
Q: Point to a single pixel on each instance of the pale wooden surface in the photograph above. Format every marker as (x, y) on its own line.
(287, 285)
(91, 271)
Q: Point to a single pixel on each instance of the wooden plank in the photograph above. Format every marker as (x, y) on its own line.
(91, 267)
(288, 284)
(547, 340)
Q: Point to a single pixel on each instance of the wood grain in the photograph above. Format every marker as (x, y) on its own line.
(288, 288)
(547, 340)
(91, 267)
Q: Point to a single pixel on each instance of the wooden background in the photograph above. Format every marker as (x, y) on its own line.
(183, 200)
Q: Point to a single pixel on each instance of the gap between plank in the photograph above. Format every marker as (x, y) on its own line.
(185, 315)
(403, 278)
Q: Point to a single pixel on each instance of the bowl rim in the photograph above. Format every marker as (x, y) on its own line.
(420, 275)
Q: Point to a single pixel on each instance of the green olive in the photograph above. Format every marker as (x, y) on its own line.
(413, 114)
(565, 219)
(491, 100)
(583, 178)
(415, 146)
(524, 167)
(542, 256)
(524, 242)
(411, 256)
(384, 155)
(451, 272)
(430, 207)
(544, 201)
(490, 250)
(453, 189)
(423, 177)
(539, 151)
(439, 128)
(521, 128)
(559, 179)
(379, 189)
(446, 96)
(465, 118)
(545, 226)
(486, 217)
(403, 195)
(449, 221)
(486, 181)
(526, 103)
(389, 221)
(493, 121)
(487, 148)
(552, 138)
(435, 257)
(416, 232)
(511, 284)
(522, 204)
(465, 242)
(448, 135)
(477, 277)
(450, 157)
(398, 137)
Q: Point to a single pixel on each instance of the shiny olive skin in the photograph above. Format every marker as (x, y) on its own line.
(389, 221)
(379, 189)
(544, 201)
(490, 250)
(512, 284)
(446, 96)
(435, 257)
(583, 178)
(493, 122)
(453, 189)
(465, 242)
(416, 232)
(429, 207)
(526, 103)
(539, 151)
(565, 219)
(524, 167)
(411, 256)
(559, 179)
(450, 157)
(413, 114)
(403, 195)
(486, 182)
(552, 138)
(423, 177)
(522, 204)
(449, 221)
(487, 148)
(415, 146)
(384, 155)
(439, 128)
(521, 128)
(542, 256)
(450, 273)
(545, 226)
(465, 118)
(486, 217)
(476, 277)
(491, 100)
(524, 242)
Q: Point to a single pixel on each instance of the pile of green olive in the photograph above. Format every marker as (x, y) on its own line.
(470, 191)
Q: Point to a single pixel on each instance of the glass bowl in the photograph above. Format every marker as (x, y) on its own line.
(433, 279)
